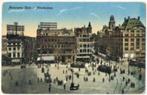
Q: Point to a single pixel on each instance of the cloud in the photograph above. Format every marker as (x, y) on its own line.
(62, 11)
(94, 14)
(120, 7)
(66, 10)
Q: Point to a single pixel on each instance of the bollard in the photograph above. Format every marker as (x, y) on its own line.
(122, 91)
(16, 83)
(30, 82)
(93, 79)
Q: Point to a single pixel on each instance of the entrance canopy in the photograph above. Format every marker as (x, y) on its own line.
(46, 58)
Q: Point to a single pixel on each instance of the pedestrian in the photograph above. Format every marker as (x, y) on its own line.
(69, 77)
(30, 82)
(79, 69)
(49, 88)
(16, 83)
(84, 78)
(93, 79)
(64, 84)
(66, 77)
(66, 71)
(41, 80)
(63, 71)
(103, 79)
(54, 81)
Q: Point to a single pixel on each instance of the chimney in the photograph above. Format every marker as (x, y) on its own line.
(138, 17)
(125, 19)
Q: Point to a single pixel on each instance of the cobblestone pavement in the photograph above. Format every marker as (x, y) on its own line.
(16, 80)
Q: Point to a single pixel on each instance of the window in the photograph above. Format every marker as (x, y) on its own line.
(14, 55)
(137, 43)
(126, 44)
(132, 48)
(9, 54)
(14, 48)
(132, 30)
(126, 39)
(18, 55)
(126, 48)
(132, 44)
(143, 39)
(84, 45)
(18, 48)
(126, 35)
(132, 34)
(143, 43)
(9, 48)
(84, 50)
(137, 40)
(137, 34)
(132, 39)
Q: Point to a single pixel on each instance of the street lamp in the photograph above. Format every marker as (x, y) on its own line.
(72, 76)
(72, 83)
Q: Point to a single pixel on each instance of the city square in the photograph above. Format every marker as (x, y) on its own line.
(33, 72)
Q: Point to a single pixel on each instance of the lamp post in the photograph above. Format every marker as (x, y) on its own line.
(72, 83)
(72, 76)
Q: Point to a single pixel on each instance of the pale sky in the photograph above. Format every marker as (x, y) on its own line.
(69, 15)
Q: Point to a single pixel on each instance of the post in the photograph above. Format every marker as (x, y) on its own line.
(72, 75)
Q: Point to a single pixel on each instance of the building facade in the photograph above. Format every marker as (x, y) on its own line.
(133, 38)
(84, 43)
(126, 41)
(15, 47)
(30, 54)
(57, 43)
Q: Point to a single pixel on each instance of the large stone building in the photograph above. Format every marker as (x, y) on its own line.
(133, 32)
(30, 54)
(15, 47)
(84, 43)
(56, 44)
(126, 41)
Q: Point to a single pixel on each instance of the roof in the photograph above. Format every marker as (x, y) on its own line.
(132, 22)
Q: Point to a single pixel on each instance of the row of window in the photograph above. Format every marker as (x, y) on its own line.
(14, 48)
(132, 39)
(85, 45)
(14, 55)
(14, 43)
(133, 48)
(58, 40)
(83, 35)
(132, 44)
(84, 40)
(58, 46)
(85, 50)
(126, 35)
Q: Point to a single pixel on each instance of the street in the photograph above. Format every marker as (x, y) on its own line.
(27, 79)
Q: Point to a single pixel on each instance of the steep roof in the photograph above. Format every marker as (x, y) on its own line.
(132, 22)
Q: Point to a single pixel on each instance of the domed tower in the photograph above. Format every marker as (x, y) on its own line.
(112, 22)
(89, 27)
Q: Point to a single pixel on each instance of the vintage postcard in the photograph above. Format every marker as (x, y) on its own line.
(73, 47)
